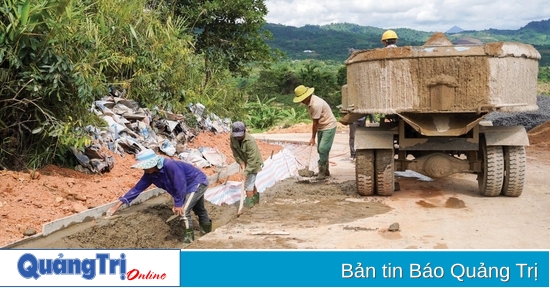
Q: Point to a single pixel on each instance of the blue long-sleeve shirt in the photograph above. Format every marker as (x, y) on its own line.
(176, 177)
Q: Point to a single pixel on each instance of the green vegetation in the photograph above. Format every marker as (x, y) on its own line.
(227, 33)
(544, 80)
(58, 56)
(278, 82)
(263, 115)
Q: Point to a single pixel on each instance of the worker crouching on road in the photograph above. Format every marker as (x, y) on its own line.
(246, 153)
(183, 181)
(324, 125)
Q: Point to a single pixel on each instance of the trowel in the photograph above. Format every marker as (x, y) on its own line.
(110, 217)
(172, 218)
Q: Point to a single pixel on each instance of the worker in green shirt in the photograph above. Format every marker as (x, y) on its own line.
(246, 153)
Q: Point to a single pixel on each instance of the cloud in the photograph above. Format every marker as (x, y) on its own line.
(429, 15)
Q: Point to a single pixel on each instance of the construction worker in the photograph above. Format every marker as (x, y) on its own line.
(246, 153)
(324, 125)
(183, 181)
(389, 38)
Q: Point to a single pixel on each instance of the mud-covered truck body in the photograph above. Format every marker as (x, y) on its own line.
(433, 99)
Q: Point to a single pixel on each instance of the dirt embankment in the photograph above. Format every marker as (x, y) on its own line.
(29, 200)
(540, 135)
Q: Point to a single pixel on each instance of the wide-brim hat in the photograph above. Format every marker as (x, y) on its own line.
(302, 92)
(147, 159)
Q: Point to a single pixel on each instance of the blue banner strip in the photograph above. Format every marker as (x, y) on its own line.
(320, 268)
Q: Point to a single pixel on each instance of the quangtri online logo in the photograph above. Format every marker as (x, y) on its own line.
(104, 264)
(90, 267)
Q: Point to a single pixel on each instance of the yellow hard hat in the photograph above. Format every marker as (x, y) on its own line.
(389, 34)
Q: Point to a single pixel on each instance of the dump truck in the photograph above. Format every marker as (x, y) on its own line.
(433, 100)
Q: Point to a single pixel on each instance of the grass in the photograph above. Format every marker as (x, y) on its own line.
(543, 88)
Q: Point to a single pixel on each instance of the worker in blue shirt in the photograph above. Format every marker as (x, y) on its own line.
(186, 183)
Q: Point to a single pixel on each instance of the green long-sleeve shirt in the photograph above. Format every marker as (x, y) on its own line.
(247, 152)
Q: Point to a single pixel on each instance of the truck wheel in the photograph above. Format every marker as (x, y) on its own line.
(491, 177)
(514, 170)
(364, 171)
(384, 172)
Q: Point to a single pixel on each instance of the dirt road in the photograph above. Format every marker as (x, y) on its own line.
(447, 213)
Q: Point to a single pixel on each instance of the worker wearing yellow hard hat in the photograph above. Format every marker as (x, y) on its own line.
(389, 38)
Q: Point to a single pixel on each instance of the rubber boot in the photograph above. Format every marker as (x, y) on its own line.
(327, 173)
(188, 236)
(207, 227)
(249, 202)
(322, 172)
(256, 195)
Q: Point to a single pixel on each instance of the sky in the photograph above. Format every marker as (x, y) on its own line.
(423, 15)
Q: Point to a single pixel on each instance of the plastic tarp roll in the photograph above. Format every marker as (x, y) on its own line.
(283, 165)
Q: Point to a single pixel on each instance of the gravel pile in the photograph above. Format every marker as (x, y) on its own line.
(529, 119)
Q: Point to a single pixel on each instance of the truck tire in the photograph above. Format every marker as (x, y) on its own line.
(384, 172)
(491, 177)
(514, 170)
(364, 171)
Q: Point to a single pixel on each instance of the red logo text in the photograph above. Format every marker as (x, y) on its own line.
(134, 274)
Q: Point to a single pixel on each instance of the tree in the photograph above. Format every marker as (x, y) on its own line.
(58, 56)
(229, 33)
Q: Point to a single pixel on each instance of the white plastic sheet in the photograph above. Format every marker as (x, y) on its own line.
(283, 165)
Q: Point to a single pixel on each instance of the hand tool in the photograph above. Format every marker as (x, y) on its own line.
(240, 211)
(172, 218)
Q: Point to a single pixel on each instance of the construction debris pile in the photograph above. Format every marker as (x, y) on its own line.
(131, 128)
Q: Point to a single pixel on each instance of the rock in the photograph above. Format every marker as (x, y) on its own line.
(70, 182)
(180, 148)
(394, 227)
(82, 169)
(13, 175)
(67, 194)
(35, 175)
(59, 199)
(29, 232)
(78, 207)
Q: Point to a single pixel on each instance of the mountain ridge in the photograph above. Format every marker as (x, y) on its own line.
(454, 29)
(336, 41)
